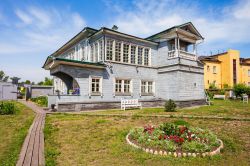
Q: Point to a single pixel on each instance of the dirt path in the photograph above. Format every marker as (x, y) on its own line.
(32, 153)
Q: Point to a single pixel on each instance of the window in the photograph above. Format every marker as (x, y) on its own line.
(133, 50)
(96, 52)
(126, 86)
(92, 52)
(214, 69)
(147, 88)
(101, 50)
(208, 82)
(118, 51)
(208, 68)
(234, 72)
(109, 53)
(83, 52)
(122, 86)
(118, 85)
(248, 83)
(96, 85)
(140, 49)
(146, 56)
(125, 52)
(248, 73)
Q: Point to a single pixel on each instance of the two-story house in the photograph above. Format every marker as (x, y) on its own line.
(97, 68)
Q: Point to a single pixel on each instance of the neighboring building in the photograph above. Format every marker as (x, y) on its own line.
(8, 91)
(99, 67)
(226, 69)
(33, 91)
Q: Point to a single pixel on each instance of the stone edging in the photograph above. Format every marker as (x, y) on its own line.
(175, 154)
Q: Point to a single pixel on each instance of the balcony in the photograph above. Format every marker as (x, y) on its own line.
(182, 54)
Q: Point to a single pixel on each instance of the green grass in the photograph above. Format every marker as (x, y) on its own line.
(93, 140)
(13, 130)
(223, 108)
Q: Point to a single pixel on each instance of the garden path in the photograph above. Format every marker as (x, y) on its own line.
(32, 153)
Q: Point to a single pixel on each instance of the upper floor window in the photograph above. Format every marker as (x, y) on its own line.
(248, 73)
(109, 53)
(208, 68)
(132, 54)
(140, 50)
(147, 88)
(125, 52)
(118, 51)
(96, 52)
(214, 70)
(83, 58)
(92, 52)
(122, 86)
(146, 56)
(101, 50)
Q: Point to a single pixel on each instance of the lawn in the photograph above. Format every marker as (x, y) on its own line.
(222, 108)
(13, 130)
(93, 140)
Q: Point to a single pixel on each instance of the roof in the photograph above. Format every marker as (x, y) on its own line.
(177, 26)
(208, 58)
(245, 61)
(72, 61)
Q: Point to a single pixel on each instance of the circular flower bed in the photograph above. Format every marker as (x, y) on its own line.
(174, 139)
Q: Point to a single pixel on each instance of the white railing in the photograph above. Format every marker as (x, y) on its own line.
(182, 54)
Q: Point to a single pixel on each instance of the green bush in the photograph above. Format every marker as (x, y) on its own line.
(41, 101)
(240, 89)
(7, 108)
(170, 106)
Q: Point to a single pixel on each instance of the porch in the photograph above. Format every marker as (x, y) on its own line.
(182, 47)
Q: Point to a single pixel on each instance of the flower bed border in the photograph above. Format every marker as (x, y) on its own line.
(175, 154)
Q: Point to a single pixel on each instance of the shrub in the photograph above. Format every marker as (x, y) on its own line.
(240, 89)
(170, 106)
(212, 86)
(7, 108)
(41, 101)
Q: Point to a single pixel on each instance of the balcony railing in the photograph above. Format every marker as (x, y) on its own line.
(182, 54)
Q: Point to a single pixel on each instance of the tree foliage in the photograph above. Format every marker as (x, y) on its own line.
(240, 89)
(3, 77)
(47, 81)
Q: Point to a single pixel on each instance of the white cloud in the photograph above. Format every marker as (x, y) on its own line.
(149, 17)
(26, 19)
(34, 34)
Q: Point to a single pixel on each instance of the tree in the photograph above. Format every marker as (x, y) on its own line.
(240, 89)
(27, 82)
(15, 80)
(47, 81)
(3, 77)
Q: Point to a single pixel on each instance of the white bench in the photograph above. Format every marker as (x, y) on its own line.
(220, 97)
(129, 103)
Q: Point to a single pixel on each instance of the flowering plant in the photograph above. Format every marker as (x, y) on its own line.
(171, 137)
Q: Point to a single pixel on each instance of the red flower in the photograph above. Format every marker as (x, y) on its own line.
(165, 137)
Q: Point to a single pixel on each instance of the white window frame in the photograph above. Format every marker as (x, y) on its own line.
(214, 70)
(147, 93)
(100, 86)
(122, 93)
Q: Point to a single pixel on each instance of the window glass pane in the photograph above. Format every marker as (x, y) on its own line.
(95, 85)
(117, 51)
(126, 86)
(109, 49)
(101, 50)
(146, 58)
(140, 55)
(92, 53)
(118, 85)
(143, 87)
(133, 49)
(150, 87)
(125, 52)
(96, 52)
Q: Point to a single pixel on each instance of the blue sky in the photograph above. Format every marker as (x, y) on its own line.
(32, 30)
